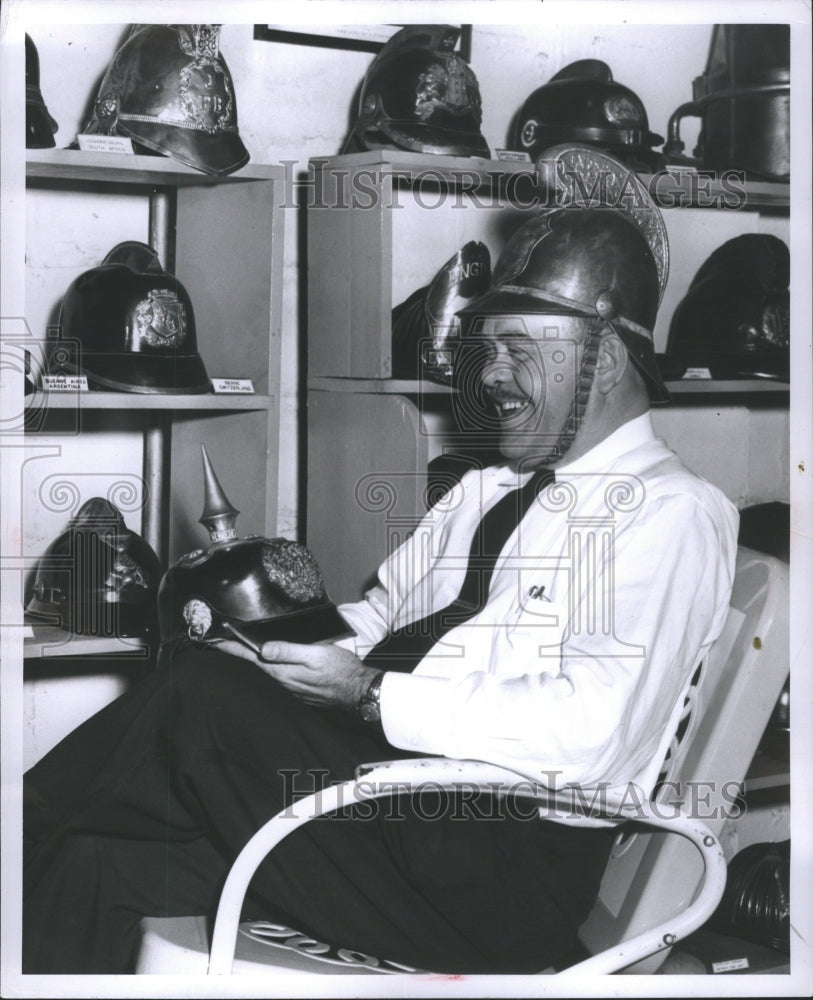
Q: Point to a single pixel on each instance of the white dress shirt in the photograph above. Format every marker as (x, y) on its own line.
(602, 603)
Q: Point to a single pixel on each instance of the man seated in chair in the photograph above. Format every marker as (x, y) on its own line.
(546, 615)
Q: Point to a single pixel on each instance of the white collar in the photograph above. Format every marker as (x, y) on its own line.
(629, 436)
(633, 434)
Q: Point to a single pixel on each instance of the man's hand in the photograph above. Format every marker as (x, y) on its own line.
(323, 675)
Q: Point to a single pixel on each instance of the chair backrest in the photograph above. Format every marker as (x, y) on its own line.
(651, 876)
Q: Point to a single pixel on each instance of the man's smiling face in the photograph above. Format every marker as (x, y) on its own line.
(528, 367)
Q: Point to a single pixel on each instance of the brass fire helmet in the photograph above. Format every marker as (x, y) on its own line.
(582, 103)
(98, 577)
(40, 127)
(169, 89)
(249, 589)
(734, 320)
(419, 95)
(129, 325)
(600, 253)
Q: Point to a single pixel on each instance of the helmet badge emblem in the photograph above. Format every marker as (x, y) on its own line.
(445, 86)
(160, 320)
(198, 617)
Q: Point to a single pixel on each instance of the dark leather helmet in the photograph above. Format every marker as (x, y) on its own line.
(169, 89)
(251, 589)
(98, 577)
(582, 103)
(734, 320)
(425, 326)
(418, 94)
(134, 325)
(40, 127)
(601, 259)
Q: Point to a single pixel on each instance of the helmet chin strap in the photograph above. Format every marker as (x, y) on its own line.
(584, 384)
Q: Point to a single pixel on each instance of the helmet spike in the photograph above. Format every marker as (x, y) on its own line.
(219, 516)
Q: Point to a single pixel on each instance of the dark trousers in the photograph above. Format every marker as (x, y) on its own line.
(142, 809)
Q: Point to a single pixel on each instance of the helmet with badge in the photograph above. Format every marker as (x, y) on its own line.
(98, 577)
(583, 103)
(419, 94)
(128, 325)
(169, 89)
(250, 589)
(734, 320)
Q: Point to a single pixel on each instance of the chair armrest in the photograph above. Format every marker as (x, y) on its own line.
(377, 780)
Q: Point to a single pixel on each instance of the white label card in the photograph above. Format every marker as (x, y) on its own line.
(65, 383)
(732, 965)
(105, 144)
(513, 154)
(233, 385)
(697, 373)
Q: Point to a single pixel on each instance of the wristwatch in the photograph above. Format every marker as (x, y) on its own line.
(369, 704)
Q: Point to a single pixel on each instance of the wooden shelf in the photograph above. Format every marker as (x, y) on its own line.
(380, 386)
(728, 387)
(147, 401)
(408, 387)
(674, 188)
(72, 165)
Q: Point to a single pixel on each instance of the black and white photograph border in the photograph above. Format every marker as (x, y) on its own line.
(296, 100)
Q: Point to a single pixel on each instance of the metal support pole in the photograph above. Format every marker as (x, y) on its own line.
(155, 520)
(158, 433)
(162, 228)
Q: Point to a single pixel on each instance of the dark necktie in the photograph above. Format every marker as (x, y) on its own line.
(404, 648)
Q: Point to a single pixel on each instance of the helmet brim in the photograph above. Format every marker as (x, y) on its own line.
(499, 302)
(218, 154)
(146, 373)
(309, 625)
(431, 139)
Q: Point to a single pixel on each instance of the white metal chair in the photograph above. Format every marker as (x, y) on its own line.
(667, 869)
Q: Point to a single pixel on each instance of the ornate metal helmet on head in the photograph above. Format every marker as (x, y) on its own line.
(251, 589)
(600, 252)
(98, 577)
(40, 127)
(169, 89)
(734, 321)
(418, 94)
(134, 327)
(582, 103)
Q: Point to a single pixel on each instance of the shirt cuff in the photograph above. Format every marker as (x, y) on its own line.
(416, 711)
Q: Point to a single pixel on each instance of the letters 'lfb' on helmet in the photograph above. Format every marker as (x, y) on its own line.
(129, 325)
(40, 127)
(419, 95)
(98, 577)
(734, 321)
(601, 255)
(582, 103)
(169, 89)
(250, 589)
